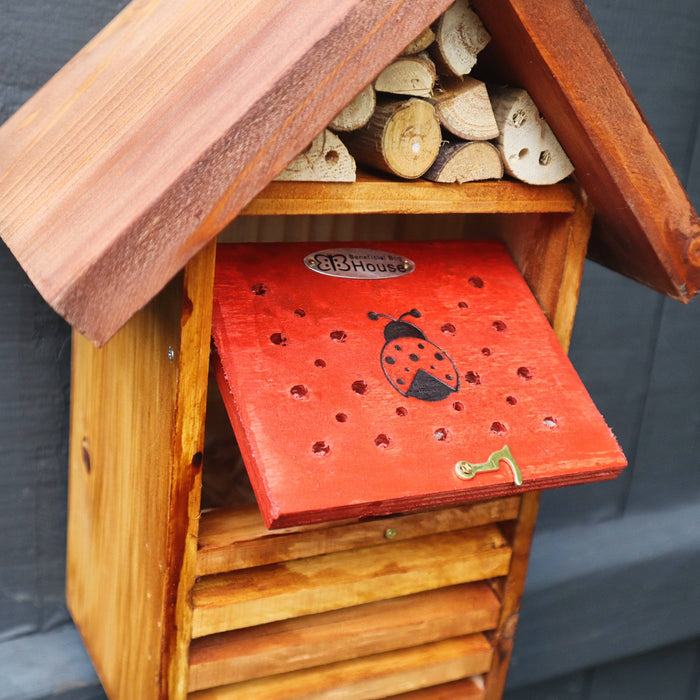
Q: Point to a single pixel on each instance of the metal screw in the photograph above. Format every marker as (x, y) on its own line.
(311, 262)
(390, 533)
(171, 354)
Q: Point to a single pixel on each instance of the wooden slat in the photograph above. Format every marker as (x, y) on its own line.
(332, 581)
(316, 640)
(649, 229)
(376, 676)
(135, 458)
(467, 689)
(139, 150)
(372, 195)
(236, 538)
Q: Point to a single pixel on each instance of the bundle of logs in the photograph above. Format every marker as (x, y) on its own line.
(424, 116)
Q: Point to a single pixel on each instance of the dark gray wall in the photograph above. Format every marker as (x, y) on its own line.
(612, 605)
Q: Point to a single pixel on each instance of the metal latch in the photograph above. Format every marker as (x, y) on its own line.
(467, 470)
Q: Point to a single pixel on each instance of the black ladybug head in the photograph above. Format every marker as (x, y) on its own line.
(399, 328)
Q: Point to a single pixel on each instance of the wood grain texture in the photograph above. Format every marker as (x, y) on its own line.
(648, 228)
(139, 150)
(316, 640)
(378, 676)
(135, 458)
(332, 581)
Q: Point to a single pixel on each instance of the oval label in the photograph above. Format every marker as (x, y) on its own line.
(359, 263)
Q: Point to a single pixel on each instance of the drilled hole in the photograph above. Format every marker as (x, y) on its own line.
(476, 282)
(499, 326)
(448, 328)
(359, 387)
(511, 401)
(523, 153)
(545, 158)
(463, 305)
(341, 417)
(472, 378)
(319, 363)
(299, 391)
(550, 422)
(259, 289)
(458, 406)
(339, 336)
(440, 434)
(299, 313)
(320, 448)
(401, 412)
(525, 373)
(486, 352)
(382, 441)
(278, 339)
(498, 428)
(332, 157)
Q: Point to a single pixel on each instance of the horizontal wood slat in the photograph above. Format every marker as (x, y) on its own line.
(372, 195)
(236, 538)
(377, 676)
(467, 689)
(316, 640)
(332, 581)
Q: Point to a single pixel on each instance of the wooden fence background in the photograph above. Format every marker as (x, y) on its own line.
(612, 605)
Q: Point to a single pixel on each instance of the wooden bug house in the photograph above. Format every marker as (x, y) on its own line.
(336, 497)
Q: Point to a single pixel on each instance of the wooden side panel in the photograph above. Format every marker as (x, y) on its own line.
(378, 676)
(332, 581)
(649, 229)
(135, 458)
(364, 630)
(237, 538)
(162, 128)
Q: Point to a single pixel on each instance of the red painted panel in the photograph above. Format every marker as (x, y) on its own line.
(354, 397)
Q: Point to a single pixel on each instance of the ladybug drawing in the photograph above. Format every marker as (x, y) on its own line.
(415, 366)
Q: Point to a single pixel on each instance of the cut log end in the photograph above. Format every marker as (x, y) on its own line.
(420, 43)
(530, 150)
(325, 160)
(464, 109)
(408, 75)
(357, 113)
(469, 161)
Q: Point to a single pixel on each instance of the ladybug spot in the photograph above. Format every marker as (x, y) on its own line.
(400, 381)
(278, 339)
(320, 448)
(299, 391)
(499, 326)
(476, 282)
(339, 336)
(401, 412)
(511, 400)
(498, 428)
(440, 434)
(390, 360)
(300, 313)
(439, 356)
(259, 289)
(448, 329)
(359, 387)
(486, 352)
(473, 378)
(550, 422)
(319, 363)
(463, 305)
(525, 373)
(382, 441)
(421, 346)
(458, 406)
(341, 417)
(398, 348)
(449, 377)
(413, 357)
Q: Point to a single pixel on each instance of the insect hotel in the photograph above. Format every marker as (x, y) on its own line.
(322, 261)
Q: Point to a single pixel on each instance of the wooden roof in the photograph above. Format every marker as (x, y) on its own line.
(158, 133)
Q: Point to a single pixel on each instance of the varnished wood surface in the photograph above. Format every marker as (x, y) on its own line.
(237, 538)
(316, 640)
(369, 677)
(146, 144)
(648, 228)
(332, 581)
(135, 460)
